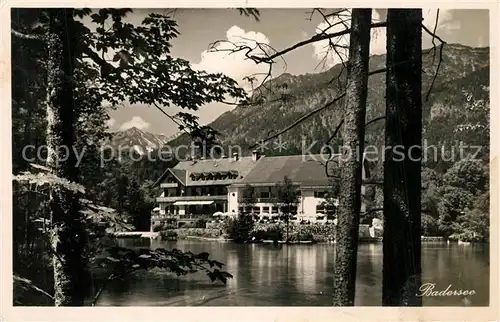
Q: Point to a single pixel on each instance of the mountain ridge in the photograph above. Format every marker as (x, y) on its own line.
(463, 76)
(141, 141)
(247, 125)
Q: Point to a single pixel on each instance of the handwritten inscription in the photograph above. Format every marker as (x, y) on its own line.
(429, 289)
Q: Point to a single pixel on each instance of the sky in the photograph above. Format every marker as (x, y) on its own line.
(279, 28)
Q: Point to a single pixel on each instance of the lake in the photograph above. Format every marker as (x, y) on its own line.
(296, 275)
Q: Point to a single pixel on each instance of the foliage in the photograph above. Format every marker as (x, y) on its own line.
(115, 62)
(273, 233)
(476, 222)
(288, 197)
(463, 207)
(468, 174)
(288, 194)
(239, 228)
(122, 261)
(301, 233)
(429, 225)
(331, 200)
(158, 227)
(248, 197)
(199, 232)
(276, 231)
(46, 180)
(168, 235)
(200, 223)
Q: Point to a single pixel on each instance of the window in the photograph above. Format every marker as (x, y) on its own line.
(274, 210)
(265, 209)
(256, 210)
(265, 194)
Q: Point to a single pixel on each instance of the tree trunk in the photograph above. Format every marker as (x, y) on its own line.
(68, 233)
(402, 175)
(353, 133)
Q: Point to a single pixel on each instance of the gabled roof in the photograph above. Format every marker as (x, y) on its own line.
(184, 169)
(306, 170)
(179, 174)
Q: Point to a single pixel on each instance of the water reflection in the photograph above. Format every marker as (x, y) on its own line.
(296, 275)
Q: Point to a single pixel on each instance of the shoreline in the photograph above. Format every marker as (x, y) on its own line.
(362, 240)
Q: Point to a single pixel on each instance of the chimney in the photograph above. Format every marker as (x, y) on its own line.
(235, 156)
(255, 155)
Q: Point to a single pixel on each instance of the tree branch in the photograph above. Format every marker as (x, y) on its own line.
(320, 37)
(101, 289)
(24, 36)
(294, 124)
(308, 115)
(434, 36)
(375, 120)
(330, 152)
(31, 285)
(268, 59)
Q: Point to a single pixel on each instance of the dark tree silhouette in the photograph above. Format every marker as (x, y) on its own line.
(402, 178)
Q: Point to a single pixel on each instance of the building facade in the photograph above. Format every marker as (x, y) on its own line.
(197, 188)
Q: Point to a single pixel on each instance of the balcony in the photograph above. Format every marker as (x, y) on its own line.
(169, 185)
(261, 200)
(189, 198)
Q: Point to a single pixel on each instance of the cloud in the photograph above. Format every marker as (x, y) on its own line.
(137, 122)
(378, 35)
(234, 65)
(110, 122)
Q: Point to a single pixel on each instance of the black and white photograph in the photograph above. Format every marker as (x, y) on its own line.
(249, 157)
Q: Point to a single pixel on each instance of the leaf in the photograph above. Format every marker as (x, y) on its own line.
(41, 179)
(99, 18)
(202, 256)
(212, 276)
(80, 13)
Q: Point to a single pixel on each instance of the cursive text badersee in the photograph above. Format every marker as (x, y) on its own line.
(428, 289)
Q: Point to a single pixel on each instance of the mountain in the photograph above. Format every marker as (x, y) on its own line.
(463, 79)
(142, 142)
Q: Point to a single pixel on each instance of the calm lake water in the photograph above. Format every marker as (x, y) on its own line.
(296, 275)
